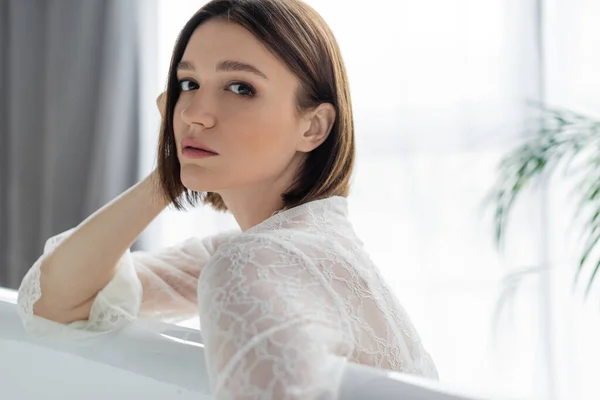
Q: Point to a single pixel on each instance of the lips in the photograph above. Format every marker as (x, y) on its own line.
(193, 144)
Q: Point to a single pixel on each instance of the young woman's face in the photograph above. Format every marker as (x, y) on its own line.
(238, 101)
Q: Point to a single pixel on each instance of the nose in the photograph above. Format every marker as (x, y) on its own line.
(198, 110)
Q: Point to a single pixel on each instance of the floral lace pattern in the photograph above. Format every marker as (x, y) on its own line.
(282, 302)
(282, 306)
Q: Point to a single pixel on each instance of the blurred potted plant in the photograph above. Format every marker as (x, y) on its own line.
(563, 140)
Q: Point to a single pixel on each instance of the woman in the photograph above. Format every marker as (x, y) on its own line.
(257, 120)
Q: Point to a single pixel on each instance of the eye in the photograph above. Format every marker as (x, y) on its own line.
(243, 89)
(186, 85)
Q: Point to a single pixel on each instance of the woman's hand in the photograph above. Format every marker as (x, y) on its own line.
(161, 103)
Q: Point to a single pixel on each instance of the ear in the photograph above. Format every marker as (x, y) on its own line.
(161, 104)
(319, 121)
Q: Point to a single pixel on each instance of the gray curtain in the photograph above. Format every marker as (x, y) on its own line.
(69, 118)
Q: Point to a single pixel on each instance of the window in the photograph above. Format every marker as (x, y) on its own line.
(437, 89)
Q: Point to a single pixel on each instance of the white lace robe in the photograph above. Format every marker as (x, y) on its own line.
(281, 305)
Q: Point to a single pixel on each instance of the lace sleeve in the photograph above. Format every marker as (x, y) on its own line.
(271, 326)
(159, 285)
(170, 277)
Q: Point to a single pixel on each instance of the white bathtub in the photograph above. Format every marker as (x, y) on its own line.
(149, 360)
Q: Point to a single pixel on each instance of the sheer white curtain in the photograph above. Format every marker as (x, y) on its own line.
(439, 88)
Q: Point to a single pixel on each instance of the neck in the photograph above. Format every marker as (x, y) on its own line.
(251, 205)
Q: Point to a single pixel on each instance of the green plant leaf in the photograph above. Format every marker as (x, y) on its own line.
(561, 138)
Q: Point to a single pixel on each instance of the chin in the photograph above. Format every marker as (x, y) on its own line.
(199, 180)
(197, 185)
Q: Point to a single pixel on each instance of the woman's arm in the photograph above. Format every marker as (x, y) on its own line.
(169, 276)
(160, 285)
(84, 262)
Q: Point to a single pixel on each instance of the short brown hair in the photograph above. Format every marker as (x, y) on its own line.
(302, 40)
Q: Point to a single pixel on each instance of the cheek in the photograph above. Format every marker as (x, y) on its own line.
(268, 135)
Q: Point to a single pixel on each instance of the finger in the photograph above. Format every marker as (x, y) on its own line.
(161, 103)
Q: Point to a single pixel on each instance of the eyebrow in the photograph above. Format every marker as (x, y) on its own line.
(226, 66)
